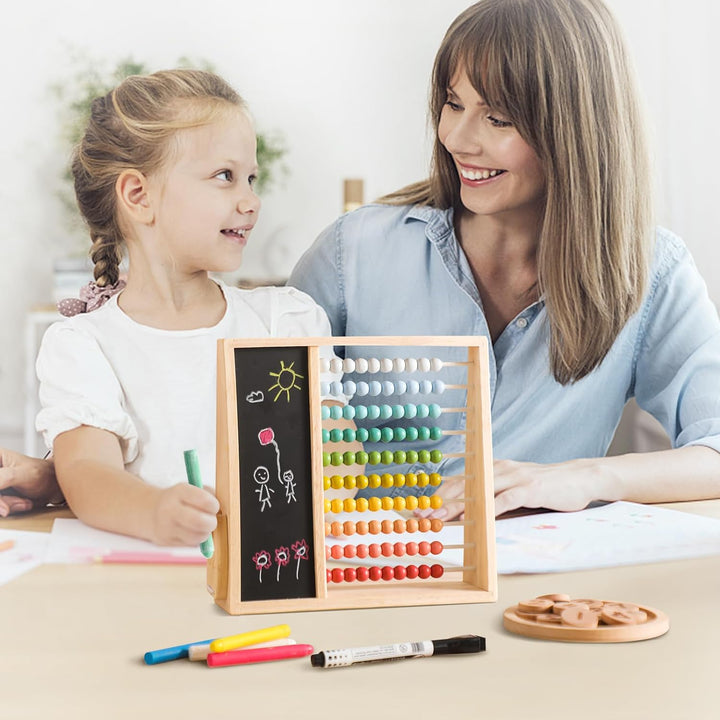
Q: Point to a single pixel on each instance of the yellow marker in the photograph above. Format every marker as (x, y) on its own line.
(249, 638)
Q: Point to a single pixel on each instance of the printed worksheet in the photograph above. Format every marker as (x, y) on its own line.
(20, 552)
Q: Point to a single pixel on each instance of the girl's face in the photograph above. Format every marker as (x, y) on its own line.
(499, 173)
(204, 202)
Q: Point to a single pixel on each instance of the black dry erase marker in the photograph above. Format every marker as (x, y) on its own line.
(374, 653)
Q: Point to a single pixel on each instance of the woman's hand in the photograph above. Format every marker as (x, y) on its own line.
(32, 480)
(184, 515)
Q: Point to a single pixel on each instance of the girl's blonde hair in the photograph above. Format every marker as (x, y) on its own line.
(559, 70)
(132, 127)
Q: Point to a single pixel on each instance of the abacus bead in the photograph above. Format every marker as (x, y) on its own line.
(436, 364)
(328, 575)
(386, 526)
(426, 387)
(400, 387)
(399, 525)
(336, 552)
(411, 548)
(347, 435)
(337, 575)
(399, 572)
(327, 529)
(424, 364)
(374, 457)
(399, 549)
(362, 550)
(324, 365)
(350, 574)
(423, 433)
(375, 388)
(386, 434)
(386, 480)
(438, 387)
(423, 479)
(410, 411)
(435, 411)
(435, 433)
(326, 482)
(374, 434)
(325, 436)
(399, 365)
(410, 365)
(386, 365)
(361, 434)
(336, 365)
(327, 552)
(385, 412)
(423, 502)
(348, 365)
(349, 527)
(361, 365)
(436, 547)
(386, 457)
(374, 503)
(336, 388)
(387, 549)
(437, 571)
(424, 525)
(361, 389)
(324, 388)
(398, 411)
(349, 505)
(424, 547)
(324, 412)
(361, 411)
(399, 434)
(361, 481)
(336, 482)
(411, 456)
(399, 503)
(373, 412)
(435, 479)
(336, 458)
(411, 433)
(422, 410)
(399, 480)
(388, 573)
(423, 571)
(410, 478)
(336, 505)
(362, 573)
(374, 527)
(412, 525)
(349, 481)
(337, 435)
(375, 573)
(424, 456)
(413, 387)
(412, 571)
(336, 412)
(349, 387)
(349, 458)
(436, 502)
(373, 365)
(326, 459)
(387, 503)
(374, 480)
(374, 550)
(436, 456)
(399, 457)
(411, 502)
(436, 524)
(361, 528)
(326, 505)
(361, 504)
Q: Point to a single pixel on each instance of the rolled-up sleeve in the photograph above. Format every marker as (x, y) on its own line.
(79, 387)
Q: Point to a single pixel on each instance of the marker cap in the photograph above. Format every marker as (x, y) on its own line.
(458, 645)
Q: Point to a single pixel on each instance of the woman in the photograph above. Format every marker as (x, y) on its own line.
(534, 229)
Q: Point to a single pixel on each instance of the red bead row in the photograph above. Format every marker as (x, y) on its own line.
(386, 549)
(387, 572)
(376, 527)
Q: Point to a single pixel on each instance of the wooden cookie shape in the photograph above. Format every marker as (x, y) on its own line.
(585, 620)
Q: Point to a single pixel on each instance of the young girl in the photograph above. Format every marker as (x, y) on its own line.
(166, 169)
(534, 229)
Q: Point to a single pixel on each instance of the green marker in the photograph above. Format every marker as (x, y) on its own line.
(192, 468)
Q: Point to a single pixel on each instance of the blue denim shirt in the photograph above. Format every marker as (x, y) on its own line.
(384, 270)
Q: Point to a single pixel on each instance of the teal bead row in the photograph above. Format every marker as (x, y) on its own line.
(386, 457)
(381, 412)
(386, 434)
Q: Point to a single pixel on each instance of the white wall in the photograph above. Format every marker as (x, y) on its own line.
(345, 83)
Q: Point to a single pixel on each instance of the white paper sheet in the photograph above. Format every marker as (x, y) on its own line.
(71, 541)
(28, 551)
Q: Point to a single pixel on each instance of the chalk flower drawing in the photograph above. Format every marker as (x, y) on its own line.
(301, 552)
(282, 558)
(262, 561)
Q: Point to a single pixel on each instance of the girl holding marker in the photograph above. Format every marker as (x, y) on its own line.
(165, 170)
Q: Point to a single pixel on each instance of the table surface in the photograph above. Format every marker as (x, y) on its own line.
(73, 637)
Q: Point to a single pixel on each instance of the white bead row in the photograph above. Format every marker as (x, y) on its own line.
(385, 365)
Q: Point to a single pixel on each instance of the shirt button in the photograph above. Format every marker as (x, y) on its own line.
(522, 323)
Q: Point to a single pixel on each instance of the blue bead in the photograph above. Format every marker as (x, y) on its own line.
(375, 387)
(336, 388)
(413, 387)
(362, 388)
(349, 387)
(426, 387)
(400, 387)
(438, 387)
(388, 388)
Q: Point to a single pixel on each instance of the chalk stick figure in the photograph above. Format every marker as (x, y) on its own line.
(289, 480)
(262, 476)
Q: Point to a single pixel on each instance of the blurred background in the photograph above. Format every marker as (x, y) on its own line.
(339, 88)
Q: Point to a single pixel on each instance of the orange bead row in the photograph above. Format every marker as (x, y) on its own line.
(386, 549)
(387, 572)
(385, 527)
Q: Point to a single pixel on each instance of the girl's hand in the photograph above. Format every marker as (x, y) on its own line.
(184, 515)
(449, 491)
(31, 480)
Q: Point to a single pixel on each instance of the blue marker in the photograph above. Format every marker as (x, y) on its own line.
(192, 468)
(153, 657)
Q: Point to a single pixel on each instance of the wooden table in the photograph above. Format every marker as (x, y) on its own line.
(73, 637)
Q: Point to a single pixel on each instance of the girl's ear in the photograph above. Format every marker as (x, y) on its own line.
(133, 197)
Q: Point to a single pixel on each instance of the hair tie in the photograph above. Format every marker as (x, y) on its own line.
(92, 296)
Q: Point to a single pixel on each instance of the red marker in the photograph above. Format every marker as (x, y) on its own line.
(254, 655)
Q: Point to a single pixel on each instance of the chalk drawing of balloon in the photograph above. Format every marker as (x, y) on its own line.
(262, 561)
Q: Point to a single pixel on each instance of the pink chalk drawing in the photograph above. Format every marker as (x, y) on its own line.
(266, 436)
(282, 558)
(285, 380)
(262, 561)
(301, 552)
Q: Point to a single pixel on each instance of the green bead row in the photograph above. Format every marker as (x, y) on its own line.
(386, 457)
(386, 434)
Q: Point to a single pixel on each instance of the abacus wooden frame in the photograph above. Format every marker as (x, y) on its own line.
(479, 576)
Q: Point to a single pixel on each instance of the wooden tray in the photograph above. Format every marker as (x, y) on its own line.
(657, 624)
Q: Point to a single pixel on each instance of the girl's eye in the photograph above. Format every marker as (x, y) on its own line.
(251, 180)
(498, 123)
(225, 175)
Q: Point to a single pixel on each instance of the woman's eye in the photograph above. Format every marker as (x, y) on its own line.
(453, 105)
(225, 175)
(498, 123)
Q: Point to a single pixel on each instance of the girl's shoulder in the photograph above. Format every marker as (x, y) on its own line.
(282, 297)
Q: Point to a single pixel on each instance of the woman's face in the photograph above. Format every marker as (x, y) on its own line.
(499, 173)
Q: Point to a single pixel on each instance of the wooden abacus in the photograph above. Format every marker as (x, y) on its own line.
(270, 550)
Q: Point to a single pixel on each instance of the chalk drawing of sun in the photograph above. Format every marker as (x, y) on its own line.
(286, 381)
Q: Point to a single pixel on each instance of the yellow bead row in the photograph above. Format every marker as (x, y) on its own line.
(373, 504)
(386, 480)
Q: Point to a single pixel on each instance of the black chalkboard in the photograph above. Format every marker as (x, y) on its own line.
(276, 529)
